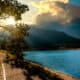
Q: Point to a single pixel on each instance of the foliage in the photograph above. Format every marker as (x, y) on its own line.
(15, 40)
(12, 8)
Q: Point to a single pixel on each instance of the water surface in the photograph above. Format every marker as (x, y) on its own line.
(66, 61)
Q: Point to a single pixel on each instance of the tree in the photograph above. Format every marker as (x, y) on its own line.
(15, 43)
(12, 8)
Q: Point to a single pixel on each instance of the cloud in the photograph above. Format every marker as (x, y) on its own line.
(55, 10)
(64, 1)
(54, 15)
(52, 11)
(49, 24)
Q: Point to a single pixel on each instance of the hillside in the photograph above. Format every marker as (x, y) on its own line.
(51, 39)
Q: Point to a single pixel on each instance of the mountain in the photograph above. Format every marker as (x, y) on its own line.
(51, 39)
(73, 29)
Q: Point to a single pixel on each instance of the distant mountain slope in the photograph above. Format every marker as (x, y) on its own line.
(73, 29)
(47, 39)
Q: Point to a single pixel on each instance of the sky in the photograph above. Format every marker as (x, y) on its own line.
(28, 17)
(75, 2)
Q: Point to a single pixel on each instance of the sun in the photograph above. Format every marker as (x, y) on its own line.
(10, 20)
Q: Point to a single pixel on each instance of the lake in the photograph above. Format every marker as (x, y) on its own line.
(66, 61)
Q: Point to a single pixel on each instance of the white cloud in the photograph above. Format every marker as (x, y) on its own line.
(52, 11)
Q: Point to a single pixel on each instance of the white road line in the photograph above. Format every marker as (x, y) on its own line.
(4, 72)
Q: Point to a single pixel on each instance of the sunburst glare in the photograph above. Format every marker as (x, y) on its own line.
(10, 21)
